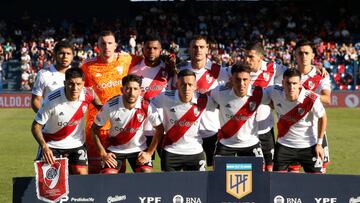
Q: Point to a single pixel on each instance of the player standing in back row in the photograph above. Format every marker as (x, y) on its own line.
(103, 73)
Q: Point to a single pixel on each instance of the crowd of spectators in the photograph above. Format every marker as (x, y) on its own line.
(336, 36)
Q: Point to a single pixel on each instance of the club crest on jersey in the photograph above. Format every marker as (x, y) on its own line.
(196, 111)
(140, 117)
(301, 111)
(51, 174)
(252, 106)
(311, 84)
(266, 76)
(208, 78)
(84, 108)
(119, 69)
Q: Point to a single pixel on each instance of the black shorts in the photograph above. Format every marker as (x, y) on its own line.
(177, 162)
(209, 144)
(158, 149)
(132, 158)
(76, 156)
(222, 150)
(285, 156)
(267, 141)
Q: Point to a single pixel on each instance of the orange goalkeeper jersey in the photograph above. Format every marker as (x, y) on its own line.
(105, 79)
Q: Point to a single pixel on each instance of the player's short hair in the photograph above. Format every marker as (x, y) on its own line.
(150, 38)
(106, 33)
(199, 37)
(292, 72)
(257, 46)
(63, 44)
(304, 42)
(131, 78)
(74, 72)
(186, 72)
(240, 68)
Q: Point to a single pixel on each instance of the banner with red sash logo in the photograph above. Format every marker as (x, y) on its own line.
(233, 125)
(131, 127)
(157, 85)
(52, 180)
(208, 78)
(312, 82)
(294, 115)
(265, 77)
(185, 122)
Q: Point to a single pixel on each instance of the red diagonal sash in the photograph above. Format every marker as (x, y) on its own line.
(208, 78)
(132, 126)
(73, 122)
(185, 122)
(69, 128)
(157, 85)
(294, 115)
(233, 125)
(265, 77)
(312, 82)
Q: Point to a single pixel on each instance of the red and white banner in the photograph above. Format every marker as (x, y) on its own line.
(348, 99)
(15, 100)
(52, 180)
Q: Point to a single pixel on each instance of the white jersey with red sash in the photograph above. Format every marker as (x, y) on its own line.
(237, 116)
(208, 78)
(47, 80)
(126, 131)
(154, 81)
(181, 121)
(315, 82)
(63, 119)
(298, 120)
(268, 74)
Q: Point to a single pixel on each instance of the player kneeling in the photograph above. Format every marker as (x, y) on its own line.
(127, 114)
(58, 125)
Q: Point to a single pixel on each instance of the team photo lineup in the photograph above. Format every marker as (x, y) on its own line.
(118, 107)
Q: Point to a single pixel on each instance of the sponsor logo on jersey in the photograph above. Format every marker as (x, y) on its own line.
(183, 123)
(109, 84)
(239, 179)
(228, 106)
(61, 113)
(130, 130)
(237, 117)
(54, 83)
